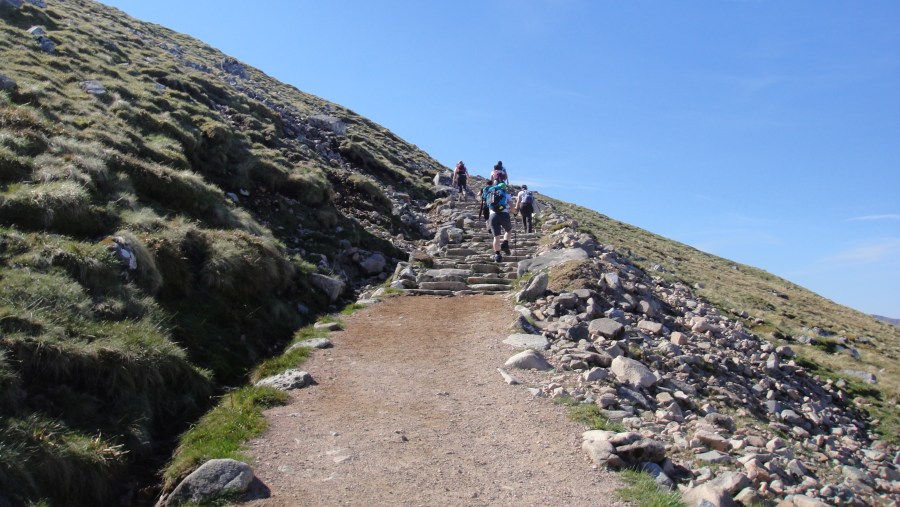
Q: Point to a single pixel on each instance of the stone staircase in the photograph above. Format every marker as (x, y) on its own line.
(464, 264)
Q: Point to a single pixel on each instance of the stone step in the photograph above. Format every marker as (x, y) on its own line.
(450, 286)
(487, 287)
(460, 252)
(477, 280)
(425, 292)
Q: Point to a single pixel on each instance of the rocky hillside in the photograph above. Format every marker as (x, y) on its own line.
(169, 217)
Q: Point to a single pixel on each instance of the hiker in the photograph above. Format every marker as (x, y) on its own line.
(460, 175)
(495, 209)
(498, 175)
(525, 206)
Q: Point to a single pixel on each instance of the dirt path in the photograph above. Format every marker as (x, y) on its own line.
(410, 410)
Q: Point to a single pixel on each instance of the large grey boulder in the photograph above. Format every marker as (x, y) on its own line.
(374, 263)
(551, 259)
(632, 372)
(215, 478)
(330, 286)
(291, 379)
(534, 289)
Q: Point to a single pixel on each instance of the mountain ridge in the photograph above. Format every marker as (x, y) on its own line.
(249, 208)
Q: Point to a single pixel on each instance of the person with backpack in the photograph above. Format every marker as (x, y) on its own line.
(460, 176)
(495, 209)
(499, 175)
(525, 205)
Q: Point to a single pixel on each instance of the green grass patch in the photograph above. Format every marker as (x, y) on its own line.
(222, 432)
(643, 491)
(327, 319)
(352, 308)
(589, 415)
(280, 364)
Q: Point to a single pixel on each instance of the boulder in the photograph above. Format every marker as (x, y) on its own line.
(707, 494)
(801, 501)
(312, 343)
(551, 259)
(678, 338)
(602, 453)
(605, 327)
(649, 326)
(534, 289)
(632, 372)
(291, 379)
(215, 478)
(644, 449)
(731, 482)
(93, 87)
(528, 359)
(374, 263)
(330, 286)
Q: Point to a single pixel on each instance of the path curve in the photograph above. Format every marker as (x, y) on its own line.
(410, 410)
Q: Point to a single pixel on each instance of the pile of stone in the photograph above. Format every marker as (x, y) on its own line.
(733, 417)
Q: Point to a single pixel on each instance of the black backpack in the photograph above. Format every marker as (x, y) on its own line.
(528, 197)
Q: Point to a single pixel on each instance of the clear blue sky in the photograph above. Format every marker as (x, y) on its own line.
(763, 131)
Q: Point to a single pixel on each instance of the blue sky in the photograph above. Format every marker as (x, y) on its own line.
(763, 131)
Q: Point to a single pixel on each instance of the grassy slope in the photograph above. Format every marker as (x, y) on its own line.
(101, 366)
(785, 310)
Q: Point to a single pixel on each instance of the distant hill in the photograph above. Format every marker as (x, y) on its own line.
(889, 320)
(170, 216)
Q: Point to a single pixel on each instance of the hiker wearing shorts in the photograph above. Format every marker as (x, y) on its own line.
(495, 209)
(460, 176)
(525, 205)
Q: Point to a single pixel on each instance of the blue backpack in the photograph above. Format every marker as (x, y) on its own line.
(495, 199)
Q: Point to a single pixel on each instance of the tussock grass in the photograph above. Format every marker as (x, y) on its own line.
(222, 432)
(643, 491)
(44, 459)
(61, 206)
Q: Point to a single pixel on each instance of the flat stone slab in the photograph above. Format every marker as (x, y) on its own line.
(528, 341)
(312, 343)
(489, 287)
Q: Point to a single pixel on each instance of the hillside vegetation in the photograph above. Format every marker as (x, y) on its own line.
(167, 218)
(170, 218)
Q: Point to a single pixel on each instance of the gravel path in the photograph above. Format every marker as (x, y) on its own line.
(410, 410)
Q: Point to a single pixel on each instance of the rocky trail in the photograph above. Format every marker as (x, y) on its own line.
(410, 410)
(409, 407)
